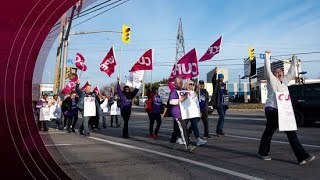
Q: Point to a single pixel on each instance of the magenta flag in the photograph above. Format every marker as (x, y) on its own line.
(109, 63)
(70, 86)
(144, 62)
(80, 62)
(212, 50)
(186, 68)
(84, 86)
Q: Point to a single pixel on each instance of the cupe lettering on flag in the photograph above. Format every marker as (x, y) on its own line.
(144, 62)
(70, 86)
(185, 68)
(83, 87)
(212, 50)
(96, 90)
(109, 62)
(80, 62)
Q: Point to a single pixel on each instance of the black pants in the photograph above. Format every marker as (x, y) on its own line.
(204, 118)
(116, 117)
(72, 120)
(152, 118)
(271, 127)
(43, 124)
(65, 120)
(126, 116)
(180, 128)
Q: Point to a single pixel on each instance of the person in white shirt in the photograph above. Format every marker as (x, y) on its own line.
(278, 82)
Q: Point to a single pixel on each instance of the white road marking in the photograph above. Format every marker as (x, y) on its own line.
(48, 145)
(226, 171)
(244, 137)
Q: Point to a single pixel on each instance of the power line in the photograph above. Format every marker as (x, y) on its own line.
(92, 8)
(96, 9)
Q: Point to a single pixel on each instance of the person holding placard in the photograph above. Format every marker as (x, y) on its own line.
(126, 97)
(192, 96)
(278, 82)
(55, 110)
(153, 109)
(104, 106)
(87, 106)
(44, 113)
(114, 104)
(219, 100)
(176, 97)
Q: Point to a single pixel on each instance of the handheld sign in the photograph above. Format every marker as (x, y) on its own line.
(287, 120)
(114, 110)
(190, 107)
(89, 107)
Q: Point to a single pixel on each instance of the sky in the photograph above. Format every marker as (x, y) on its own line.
(285, 27)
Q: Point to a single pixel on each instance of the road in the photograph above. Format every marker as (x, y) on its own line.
(105, 155)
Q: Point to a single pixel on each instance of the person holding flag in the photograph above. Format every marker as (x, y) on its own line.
(126, 97)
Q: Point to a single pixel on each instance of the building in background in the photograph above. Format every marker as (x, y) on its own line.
(234, 90)
(221, 70)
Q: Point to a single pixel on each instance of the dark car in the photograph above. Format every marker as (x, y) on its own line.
(306, 103)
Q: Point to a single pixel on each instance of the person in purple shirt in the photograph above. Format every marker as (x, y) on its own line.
(126, 97)
(180, 125)
(154, 112)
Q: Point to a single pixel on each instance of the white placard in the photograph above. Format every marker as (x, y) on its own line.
(225, 99)
(45, 113)
(89, 106)
(104, 106)
(287, 120)
(114, 110)
(135, 78)
(190, 107)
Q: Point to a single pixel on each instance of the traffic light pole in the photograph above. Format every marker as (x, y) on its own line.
(58, 63)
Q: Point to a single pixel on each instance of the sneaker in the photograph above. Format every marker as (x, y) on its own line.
(201, 142)
(80, 132)
(265, 158)
(118, 125)
(156, 136)
(179, 141)
(191, 148)
(309, 159)
(221, 134)
(151, 136)
(207, 137)
(65, 128)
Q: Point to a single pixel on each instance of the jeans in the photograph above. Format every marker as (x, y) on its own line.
(114, 117)
(194, 127)
(271, 127)
(204, 118)
(180, 127)
(84, 128)
(152, 118)
(57, 122)
(126, 116)
(221, 109)
(72, 120)
(44, 124)
(104, 120)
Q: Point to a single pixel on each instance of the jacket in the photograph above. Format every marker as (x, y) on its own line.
(82, 95)
(125, 102)
(215, 98)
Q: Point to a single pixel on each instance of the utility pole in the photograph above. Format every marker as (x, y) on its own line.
(180, 50)
(58, 60)
(66, 38)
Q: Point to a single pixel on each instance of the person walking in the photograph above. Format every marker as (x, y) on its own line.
(218, 100)
(180, 125)
(114, 104)
(203, 103)
(278, 82)
(190, 86)
(44, 113)
(154, 107)
(126, 97)
(71, 111)
(84, 128)
(55, 110)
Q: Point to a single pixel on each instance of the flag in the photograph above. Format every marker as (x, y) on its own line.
(83, 87)
(144, 62)
(71, 85)
(109, 62)
(212, 50)
(80, 62)
(186, 68)
(96, 90)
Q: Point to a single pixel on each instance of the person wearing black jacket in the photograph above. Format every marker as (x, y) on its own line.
(70, 110)
(94, 120)
(112, 100)
(217, 100)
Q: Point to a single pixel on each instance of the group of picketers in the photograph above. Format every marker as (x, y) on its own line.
(187, 102)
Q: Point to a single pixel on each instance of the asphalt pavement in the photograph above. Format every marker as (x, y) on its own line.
(106, 155)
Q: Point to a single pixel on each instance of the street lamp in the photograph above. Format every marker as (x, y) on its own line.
(239, 85)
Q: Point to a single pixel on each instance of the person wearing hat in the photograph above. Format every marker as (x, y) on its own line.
(203, 103)
(217, 100)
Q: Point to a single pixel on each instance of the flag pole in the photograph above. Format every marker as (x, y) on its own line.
(220, 51)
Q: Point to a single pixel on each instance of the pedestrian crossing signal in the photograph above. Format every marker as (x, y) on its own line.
(251, 53)
(125, 34)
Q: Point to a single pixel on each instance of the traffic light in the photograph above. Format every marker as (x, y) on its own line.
(68, 72)
(253, 67)
(125, 34)
(251, 53)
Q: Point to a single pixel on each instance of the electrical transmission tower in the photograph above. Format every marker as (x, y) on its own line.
(180, 51)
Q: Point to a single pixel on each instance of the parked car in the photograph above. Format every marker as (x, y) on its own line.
(306, 103)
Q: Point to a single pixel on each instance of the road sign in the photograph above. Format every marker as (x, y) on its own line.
(262, 56)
